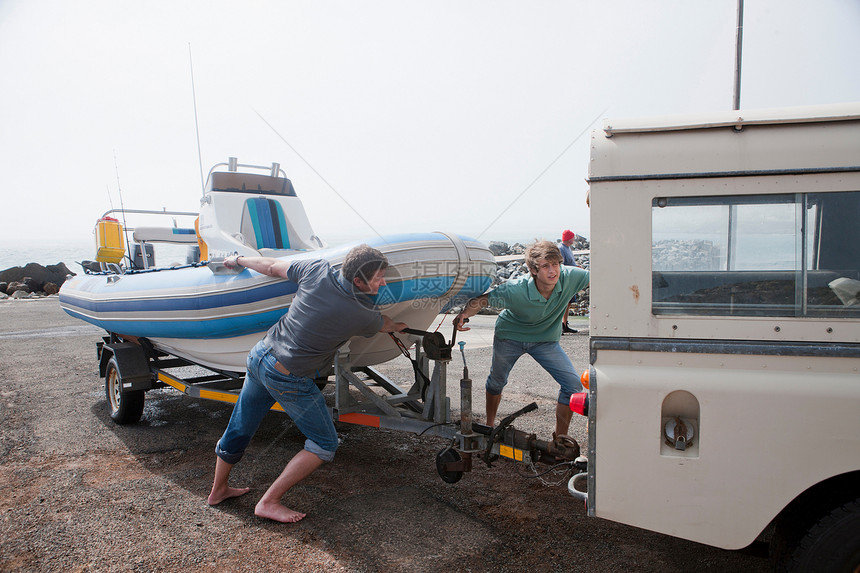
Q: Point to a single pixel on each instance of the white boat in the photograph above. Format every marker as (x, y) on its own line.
(204, 315)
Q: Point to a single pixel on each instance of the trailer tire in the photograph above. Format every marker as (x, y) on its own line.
(831, 544)
(125, 407)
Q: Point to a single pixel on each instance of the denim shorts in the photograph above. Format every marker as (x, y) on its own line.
(549, 355)
(298, 396)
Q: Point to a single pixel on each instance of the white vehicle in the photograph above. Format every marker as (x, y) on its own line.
(725, 330)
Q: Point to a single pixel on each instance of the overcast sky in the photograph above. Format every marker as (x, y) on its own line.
(470, 117)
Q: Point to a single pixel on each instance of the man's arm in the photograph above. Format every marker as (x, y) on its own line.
(265, 265)
(471, 309)
(389, 325)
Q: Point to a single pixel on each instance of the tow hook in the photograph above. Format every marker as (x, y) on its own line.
(562, 448)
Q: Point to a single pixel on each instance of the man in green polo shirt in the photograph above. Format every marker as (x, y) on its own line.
(531, 324)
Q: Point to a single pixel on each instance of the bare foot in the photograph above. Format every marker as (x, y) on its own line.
(278, 512)
(216, 497)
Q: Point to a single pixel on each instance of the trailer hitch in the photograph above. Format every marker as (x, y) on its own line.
(562, 448)
(501, 428)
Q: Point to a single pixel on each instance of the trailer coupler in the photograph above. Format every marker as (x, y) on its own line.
(509, 438)
(512, 441)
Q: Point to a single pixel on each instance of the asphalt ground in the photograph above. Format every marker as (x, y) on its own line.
(81, 493)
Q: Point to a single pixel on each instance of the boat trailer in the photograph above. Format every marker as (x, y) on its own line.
(362, 396)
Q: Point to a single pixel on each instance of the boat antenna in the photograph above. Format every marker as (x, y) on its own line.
(196, 125)
(739, 40)
(110, 199)
(122, 209)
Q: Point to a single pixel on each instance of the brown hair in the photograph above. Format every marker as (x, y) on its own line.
(363, 262)
(546, 250)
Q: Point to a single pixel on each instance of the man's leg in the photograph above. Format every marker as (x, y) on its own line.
(301, 466)
(553, 359)
(304, 404)
(493, 401)
(252, 406)
(505, 355)
(564, 326)
(563, 413)
(220, 488)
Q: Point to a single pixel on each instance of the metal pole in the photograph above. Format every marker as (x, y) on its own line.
(739, 39)
(466, 404)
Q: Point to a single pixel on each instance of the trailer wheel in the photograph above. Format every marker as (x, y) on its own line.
(444, 456)
(125, 407)
(830, 545)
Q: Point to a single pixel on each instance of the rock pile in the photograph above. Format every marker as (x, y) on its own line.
(685, 255)
(32, 280)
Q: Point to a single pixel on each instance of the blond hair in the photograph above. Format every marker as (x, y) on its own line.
(542, 250)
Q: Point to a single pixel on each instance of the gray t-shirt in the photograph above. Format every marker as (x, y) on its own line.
(326, 312)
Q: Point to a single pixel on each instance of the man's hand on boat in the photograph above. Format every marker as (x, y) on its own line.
(235, 263)
(222, 266)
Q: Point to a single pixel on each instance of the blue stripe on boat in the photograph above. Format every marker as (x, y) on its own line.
(217, 300)
(196, 329)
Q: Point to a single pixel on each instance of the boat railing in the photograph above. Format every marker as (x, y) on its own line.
(233, 165)
(147, 235)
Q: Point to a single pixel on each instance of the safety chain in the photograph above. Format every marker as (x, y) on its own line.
(556, 470)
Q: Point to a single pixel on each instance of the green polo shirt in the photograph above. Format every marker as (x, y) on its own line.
(527, 315)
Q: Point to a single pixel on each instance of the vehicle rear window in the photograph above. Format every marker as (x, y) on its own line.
(760, 255)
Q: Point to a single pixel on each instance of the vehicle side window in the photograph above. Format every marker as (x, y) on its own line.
(763, 255)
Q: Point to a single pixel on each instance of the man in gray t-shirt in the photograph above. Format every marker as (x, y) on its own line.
(328, 309)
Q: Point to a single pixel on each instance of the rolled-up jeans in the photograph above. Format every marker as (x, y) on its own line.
(298, 396)
(550, 355)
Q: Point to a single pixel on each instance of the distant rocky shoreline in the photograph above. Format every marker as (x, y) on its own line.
(32, 280)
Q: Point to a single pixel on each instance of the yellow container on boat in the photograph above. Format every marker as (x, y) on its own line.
(204, 248)
(110, 247)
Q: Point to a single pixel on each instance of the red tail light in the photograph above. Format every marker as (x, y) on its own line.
(579, 403)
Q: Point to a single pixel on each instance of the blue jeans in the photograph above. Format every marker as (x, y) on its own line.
(298, 396)
(548, 354)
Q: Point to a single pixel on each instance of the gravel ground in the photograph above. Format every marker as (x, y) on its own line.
(80, 493)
